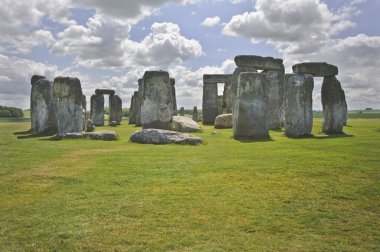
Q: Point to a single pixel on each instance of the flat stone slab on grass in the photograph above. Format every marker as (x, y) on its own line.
(185, 124)
(158, 136)
(318, 69)
(258, 62)
(105, 135)
(223, 121)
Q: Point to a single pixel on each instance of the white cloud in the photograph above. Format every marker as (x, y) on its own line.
(211, 21)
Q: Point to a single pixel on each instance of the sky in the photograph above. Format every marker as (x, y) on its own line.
(110, 44)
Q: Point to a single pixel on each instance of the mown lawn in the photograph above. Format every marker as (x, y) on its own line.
(315, 194)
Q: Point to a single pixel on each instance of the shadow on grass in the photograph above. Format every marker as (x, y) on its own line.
(252, 140)
(23, 132)
(325, 136)
(30, 134)
(52, 138)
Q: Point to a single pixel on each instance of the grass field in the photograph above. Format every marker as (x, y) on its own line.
(314, 194)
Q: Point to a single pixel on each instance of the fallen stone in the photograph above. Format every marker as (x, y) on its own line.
(185, 124)
(105, 135)
(317, 69)
(298, 104)
(74, 135)
(223, 121)
(90, 127)
(112, 124)
(258, 62)
(157, 136)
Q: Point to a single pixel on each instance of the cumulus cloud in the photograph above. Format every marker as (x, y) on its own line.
(211, 21)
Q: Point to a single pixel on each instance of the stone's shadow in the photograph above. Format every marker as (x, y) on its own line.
(278, 130)
(29, 134)
(252, 140)
(342, 135)
(52, 138)
(23, 132)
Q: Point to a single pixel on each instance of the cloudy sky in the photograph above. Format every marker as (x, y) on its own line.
(109, 44)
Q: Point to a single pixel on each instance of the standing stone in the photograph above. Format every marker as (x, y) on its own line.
(334, 106)
(234, 83)
(84, 106)
(275, 88)
(210, 102)
(172, 85)
(220, 104)
(116, 109)
(227, 98)
(84, 103)
(157, 107)
(69, 109)
(298, 104)
(97, 109)
(43, 106)
(195, 114)
(132, 109)
(250, 113)
(182, 111)
(139, 102)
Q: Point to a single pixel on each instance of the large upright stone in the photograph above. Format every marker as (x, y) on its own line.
(69, 109)
(275, 89)
(116, 109)
(157, 107)
(334, 106)
(251, 107)
(298, 104)
(234, 83)
(317, 69)
(174, 102)
(132, 109)
(210, 102)
(84, 103)
(138, 103)
(182, 111)
(195, 114)
(43, 106)
(228, 97)
(259, 62)
(97, 109)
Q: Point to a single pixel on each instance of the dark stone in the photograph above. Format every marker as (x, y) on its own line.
(317, 69)
(104, 91)
(105, 135)
(97, 109)
(116, 109)
(258, 62)
(209, 103)
(157, 136)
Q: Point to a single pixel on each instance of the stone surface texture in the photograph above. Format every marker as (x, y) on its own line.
(298, 104)
(157, 107)
(317, 69)
(105, 135)
(195, 114)
(223, 121)
(334, 106)
(70, 114)
(174, 101)
(185, 124)
(209, 102)
(132, 109)
(234, 84)
(275, 89)
(90, 127)
(157, 136)
(138, 103)
(43, 106)
(116, 109)
(251, 107)
(97, 109)
(259, 62)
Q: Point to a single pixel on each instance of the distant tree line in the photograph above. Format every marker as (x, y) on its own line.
(10, 112)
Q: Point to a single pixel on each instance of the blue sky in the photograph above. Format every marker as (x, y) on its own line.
(109, 44)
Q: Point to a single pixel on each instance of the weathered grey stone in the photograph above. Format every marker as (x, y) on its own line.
(223, 121)
(157, 136)
(227, 98)
(90, 127)
(217, 78)
(116, 109)
(258, 62)
(84, 103)
(231, 96)
(105, 135)
(70, 113)
(132, 109)
(220, 104)
(77, 135)
(275, 89)
(43, 106)
(251, 107)
(185, 124)
(318, 69)
(195, 114)
(298, 104)
(210, 102)
(105, 91)
(97, 109)
(112, 124)
(182, 111)
(334, 106)
(139, 102)
(157, 107)
(174, 102)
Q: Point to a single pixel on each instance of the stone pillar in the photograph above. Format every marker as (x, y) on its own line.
(69, 108)
(43, 106)
(84, 106)
(139, 102)
(251, 107)
(298, 104)
(132, 109)
(116, 109)
(227, 98)
(195, 114)
(275, 87)
(157, 107)
(97, 109)
(210, 102)
(172, 85)
(182, 111)
(84, 103)
(334, 106)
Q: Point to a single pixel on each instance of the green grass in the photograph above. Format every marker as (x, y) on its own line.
(314, 194)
